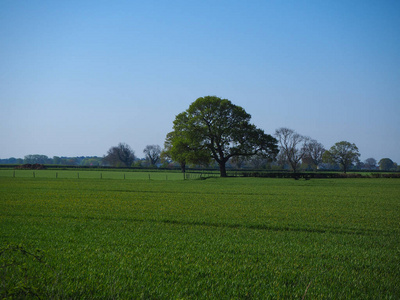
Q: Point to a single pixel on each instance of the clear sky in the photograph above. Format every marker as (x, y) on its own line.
(77, 77)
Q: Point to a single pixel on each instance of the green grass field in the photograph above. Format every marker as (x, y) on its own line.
(220, 238)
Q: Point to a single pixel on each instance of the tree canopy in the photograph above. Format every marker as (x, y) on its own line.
(342, 153)
(36, 159)
(386, 164)
(370, 163)
(177, 148)
(214, 128)
(121, 155)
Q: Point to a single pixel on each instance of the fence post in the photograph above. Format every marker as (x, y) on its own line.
(149, 176)
(101, 175)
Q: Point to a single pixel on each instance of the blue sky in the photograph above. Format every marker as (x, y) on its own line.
(77, 77)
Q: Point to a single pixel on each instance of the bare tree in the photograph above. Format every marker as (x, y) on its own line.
(292, 146)
(152, 153)
(281, 161)
(314, 152)
(121, 155)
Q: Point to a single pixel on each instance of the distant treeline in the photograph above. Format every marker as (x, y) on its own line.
(309, 175)
(56, 160)
(78, 161)
(253, 164)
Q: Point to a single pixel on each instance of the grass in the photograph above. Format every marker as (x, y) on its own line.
(219, 238)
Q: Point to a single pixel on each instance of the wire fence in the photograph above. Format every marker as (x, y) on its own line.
(120, 175)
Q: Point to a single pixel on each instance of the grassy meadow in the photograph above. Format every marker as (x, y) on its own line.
(220, 238)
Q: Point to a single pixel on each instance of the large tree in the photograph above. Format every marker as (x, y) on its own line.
(342, 153)
(121, 155)
(386, 164)
(292, 146)
(152, 153)
(214, 128)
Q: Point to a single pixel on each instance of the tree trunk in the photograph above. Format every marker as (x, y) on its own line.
(344, 164)
(294, 167)
(183, 167)
(222, 169)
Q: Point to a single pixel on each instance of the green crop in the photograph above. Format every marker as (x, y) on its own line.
(219, 238)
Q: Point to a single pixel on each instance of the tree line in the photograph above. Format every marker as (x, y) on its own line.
(121, 155)
(255, 163)
(215, 132)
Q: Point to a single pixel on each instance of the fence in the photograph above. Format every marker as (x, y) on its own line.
(95, 174)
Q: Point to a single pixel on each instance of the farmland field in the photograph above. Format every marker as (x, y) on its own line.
(220, 238)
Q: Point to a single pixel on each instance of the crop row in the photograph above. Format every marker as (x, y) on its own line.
(217, 238)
